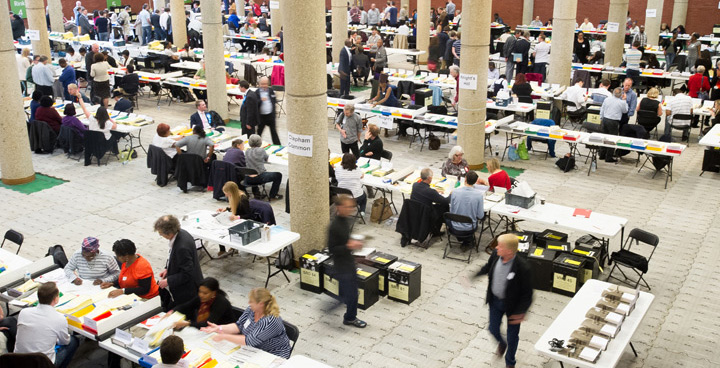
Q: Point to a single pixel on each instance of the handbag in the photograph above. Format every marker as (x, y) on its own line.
(380, 204)
(512, 153)
(702, 95)
(522, 151)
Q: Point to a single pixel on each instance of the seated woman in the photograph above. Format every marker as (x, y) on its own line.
(260, 326)
(47, 113)
(385, 95)
(455, 165)
(210, 306)
(348, 177)
(99, 122)
(198, 144)
(91, 264)
(162, 139)
(256, 157)
(35, 103)
(522, 89)
(136, 274)
(372, 147)
(498, 177)
(72, 121)
(652, 103)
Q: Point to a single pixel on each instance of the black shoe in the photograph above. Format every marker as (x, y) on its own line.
(357, 323)
(404, 241)
(500, 352)
(277, 197)
(610, 160)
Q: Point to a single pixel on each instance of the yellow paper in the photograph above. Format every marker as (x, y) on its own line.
(538, 251)
(382, 260)
(573, 262)
(363, 273)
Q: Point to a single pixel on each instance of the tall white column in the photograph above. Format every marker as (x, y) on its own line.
(528, 6)
(306, 103)
(179, 32)
(36, 21)
(214, 56)
(339, 27)
(616, 40)
(276, 20)
(56, 16)
(652, 25)
(475, 45)
(564, 12)
(679, 15)
(422, 41)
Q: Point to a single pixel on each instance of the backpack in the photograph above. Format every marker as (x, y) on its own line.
(286, 259)
(566, 163)
(58, 254)
(433, 142)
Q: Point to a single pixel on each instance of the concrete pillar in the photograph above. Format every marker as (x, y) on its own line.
(306, 104)
(423, 29)
(564, 12)
(16, 165)
(214, 58)
(475, 45)
(679, 14)
(528, 10)
(276, 20)
(616, 40)
(56, 15)
(652, 25)
(36, 21)
(339, 27)
(403, 3)
(177, 14)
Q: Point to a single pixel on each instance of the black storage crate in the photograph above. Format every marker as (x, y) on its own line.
(311, 272)
(558, 246)
(423, 97)
(381, 261)
(526, 240)
(541, 262)
(568, 272)
(549, 234)
(592, 261)
(245, 232)
(330, 284)
(516, 200)
(404, 279)
(367, 286)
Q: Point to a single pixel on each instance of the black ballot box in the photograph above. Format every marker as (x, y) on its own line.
(568, 272)
(330, 284)
(592, 261)
(381, 261)
(558, 246)
(541, 262)
(311, 271)
(526, 240)
(549, 234)
(404, 279)
(423, 97)
(591, 242)
(543, 109)
(367, 285)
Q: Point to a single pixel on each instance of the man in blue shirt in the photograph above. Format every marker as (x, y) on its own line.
(631, 98)
(467, 201)
(611, 112)
(393, 12)
(67, 77)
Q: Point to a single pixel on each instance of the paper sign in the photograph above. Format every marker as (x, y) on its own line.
(274, 5)
(612, 27)
(123, 336)
(385, 122)
(90, 323)
(650, 13)
(300, 145)
(33, 34)
(140, 345)
(468, 81)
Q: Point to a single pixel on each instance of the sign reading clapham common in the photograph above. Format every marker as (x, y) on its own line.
(300, 145)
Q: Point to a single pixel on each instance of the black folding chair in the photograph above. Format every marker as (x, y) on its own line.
(386, 155)
(461, 237)
(279, 100)
(14, 237)
(682, 127)
(246, 172)
(336, 191)
(293, 333)
(634, 261)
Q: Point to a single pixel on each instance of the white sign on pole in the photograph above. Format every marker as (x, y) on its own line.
(468, 81)
(33, 34)
(274, 4)
(300, 145)
(385, 122)
(612, 27)
(650, 13)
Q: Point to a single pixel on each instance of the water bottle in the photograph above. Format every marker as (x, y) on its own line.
(593, 166)
(28, 276)
(497, 150)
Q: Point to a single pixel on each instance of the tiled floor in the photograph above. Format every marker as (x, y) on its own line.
(446, 326)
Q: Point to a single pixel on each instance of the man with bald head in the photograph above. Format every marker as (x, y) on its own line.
(345, 67)
(266, 106)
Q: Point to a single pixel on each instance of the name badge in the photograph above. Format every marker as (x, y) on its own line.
(247, 323)
(511, 276)
(124, 278)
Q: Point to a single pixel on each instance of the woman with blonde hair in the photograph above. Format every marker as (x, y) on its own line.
(498, 177)
(23, 62)
(260, 326)
(241, 207)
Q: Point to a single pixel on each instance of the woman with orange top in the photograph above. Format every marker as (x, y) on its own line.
(136, 274)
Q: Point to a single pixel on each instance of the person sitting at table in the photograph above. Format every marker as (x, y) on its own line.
(349, 177)
(246, 30)
(260, 326)
(130, 82)
(697, 83)
(455, 165)
(602, 92)
(467, 201)
(652, 103)
(211, 305)
(72, 121)
(498, 177)
(256, 157)
(136, 275)
(361, 62)
(550, 142)
(72, 56)
(100, 121)
(198, 144)
(385, 95)
(89, 263)
(122, 104)
(423, 193)
(522, 89)
(493, 72)
(202, 117)
(47, 113)
(74, 92)
(372, 147)
(576, 95)
(239, 206)
(35, 103)
(125, 59)
(236, 154)
(163, 140)
(172, 350)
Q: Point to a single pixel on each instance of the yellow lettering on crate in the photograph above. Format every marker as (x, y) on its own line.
(361, 296)
(363, 273)
(398, 291)
(381, 283)
(538, 252)
(572, 262)
(555, 247)
(331, 285)
(310, 277)
(565, 282)
(382, 260)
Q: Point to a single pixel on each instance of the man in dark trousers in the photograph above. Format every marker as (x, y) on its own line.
(182, 274)
(155, 21)
(341, 245)
(422, 193)
(509, 293)
(266, 107)
(345, 68)
(249, 110)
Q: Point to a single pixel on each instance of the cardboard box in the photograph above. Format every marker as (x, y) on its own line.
(568, 272)
(541, 262)
(404, 281)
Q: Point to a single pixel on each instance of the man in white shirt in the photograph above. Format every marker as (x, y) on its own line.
(587, 26)
(542, 56)
(403, 30)
(144, 19)
(576, 95)
(680, 104)
(164, 19)
(537, 22)
(373, 15)
(363, 16)
(40, 328)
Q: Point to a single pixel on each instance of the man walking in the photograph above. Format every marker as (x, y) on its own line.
(345, 68)
(144, 18)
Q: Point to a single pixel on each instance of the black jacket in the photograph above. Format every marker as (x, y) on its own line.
(190, 169)
(519, 292)
(221, 172)
(130, 83)
(372, 145)
(250, 109)
(521, 46)
(160, 164)
(18, 27)
(89, 61)
(338, 235)
(155, 20)
(215, 119)
(183, 269)
(220, 311)
(415, 220)
(345, 62)
(42, 137)
(422, 193)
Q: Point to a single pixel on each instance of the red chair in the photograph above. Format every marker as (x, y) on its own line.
(537, 77)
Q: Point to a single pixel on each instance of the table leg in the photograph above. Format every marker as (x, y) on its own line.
(669, 172)
(271, 274)
(633, 349)
(593, 158)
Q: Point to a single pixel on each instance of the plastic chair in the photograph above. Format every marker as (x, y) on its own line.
(293, 333)
(14, 237)
(449, 219)
(648, 120)
(634, 261)
(386, 155)
(684, 128)
(245, 172)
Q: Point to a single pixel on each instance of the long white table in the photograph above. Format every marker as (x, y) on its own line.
(712, 138)
(204, 225)
(574, 314)
(519, 129)
(16, 267)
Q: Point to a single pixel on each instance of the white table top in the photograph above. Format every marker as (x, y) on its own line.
(712, 138)
(574, 314)
(516, 107)
(508, 129)
(586, 140)
(10, 260)
(555, 215)
(202, 224)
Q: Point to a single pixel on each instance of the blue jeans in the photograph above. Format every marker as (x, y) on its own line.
(267, 177)
(497, 310)
(550, 143)
(64, 353)
(103, 36)
(541, 68)
(362, 202)
(348, 291)
(669, 58)
(147, 34)
(159, 34)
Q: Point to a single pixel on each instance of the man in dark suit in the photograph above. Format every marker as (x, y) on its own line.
(249, 111)
(345, 67)
(422, 193)
(155, 21)
(90, 58)
(509, 293)
(201, 116)
(180, 279)
(266, 107)
(84, 23)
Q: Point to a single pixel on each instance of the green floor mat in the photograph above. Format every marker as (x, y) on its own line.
(41, 182)
(511, 171)
(234, 124)
(359, 89)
